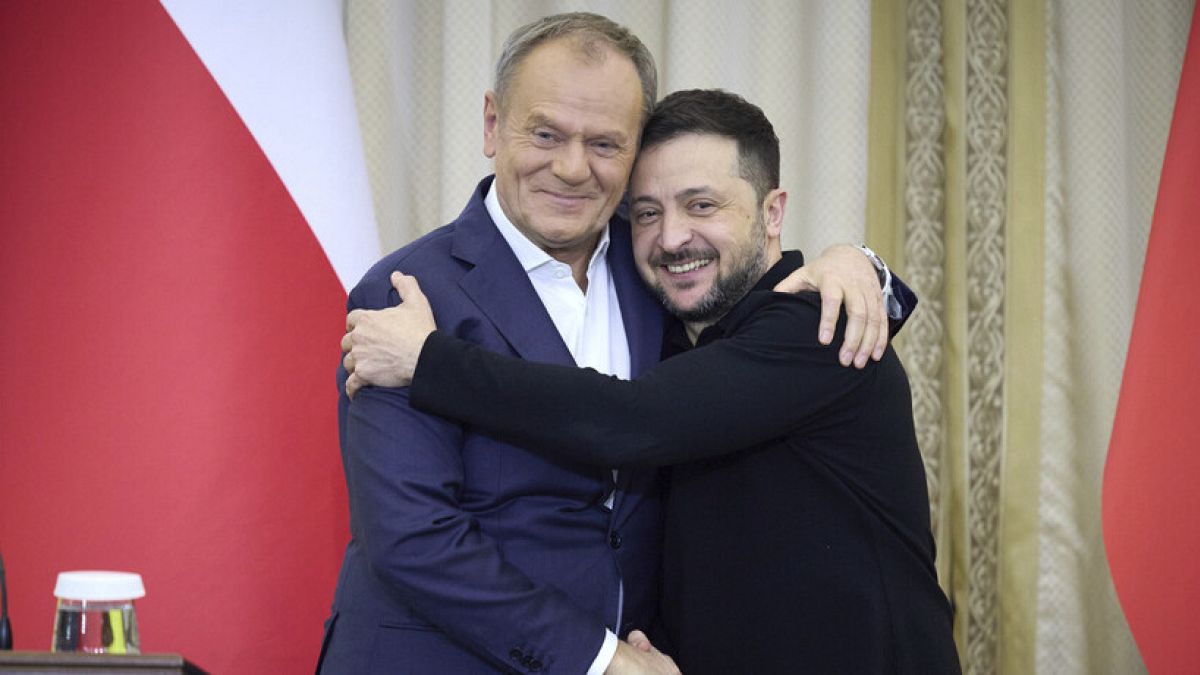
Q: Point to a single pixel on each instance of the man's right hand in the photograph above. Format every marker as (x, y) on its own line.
(382, 346)
(638, 656)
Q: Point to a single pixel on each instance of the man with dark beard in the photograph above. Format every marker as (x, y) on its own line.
(797, 531)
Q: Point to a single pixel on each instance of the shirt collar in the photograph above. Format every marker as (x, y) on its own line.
(790, 262)
(529, 254)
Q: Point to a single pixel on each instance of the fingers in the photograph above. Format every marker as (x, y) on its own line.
(408, 288)
(831, 305)
(847, 278)
(353, 384)
(866, 344)
(382, 345)
(875, 331)
(799, 280)
(639, 640)
(881, 337)
(866, 330)
(788, 285)
(645, 657)
(409, 291)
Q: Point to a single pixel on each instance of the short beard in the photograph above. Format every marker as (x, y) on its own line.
(726, 290)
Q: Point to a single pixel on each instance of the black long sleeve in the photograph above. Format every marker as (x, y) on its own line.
(769, 377)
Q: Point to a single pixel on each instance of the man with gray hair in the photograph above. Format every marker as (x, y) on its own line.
(472, 555)
(797, 531)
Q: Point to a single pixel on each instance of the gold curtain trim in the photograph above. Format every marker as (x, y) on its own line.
(1023, 336)
(986, 217)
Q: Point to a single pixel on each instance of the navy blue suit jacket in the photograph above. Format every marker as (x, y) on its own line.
(467, 554)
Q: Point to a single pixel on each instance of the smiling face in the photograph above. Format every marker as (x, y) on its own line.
(701, 238)
(563, 140)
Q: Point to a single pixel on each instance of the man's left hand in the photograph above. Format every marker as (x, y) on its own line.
(382, 346)
(843, 275)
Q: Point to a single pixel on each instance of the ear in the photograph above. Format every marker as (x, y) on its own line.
(773, 207)
(491, 122)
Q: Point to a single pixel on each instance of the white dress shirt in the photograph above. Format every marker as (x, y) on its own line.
(590, 325)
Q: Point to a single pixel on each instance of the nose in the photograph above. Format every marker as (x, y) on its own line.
(676, 231)
(571, 163)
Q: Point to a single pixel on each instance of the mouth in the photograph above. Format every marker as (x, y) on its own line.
(566, 197)
(685, 267)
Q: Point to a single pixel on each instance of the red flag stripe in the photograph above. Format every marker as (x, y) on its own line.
(169, 327)
(1151, 505)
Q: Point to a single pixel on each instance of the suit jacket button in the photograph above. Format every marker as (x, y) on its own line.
(535, 665)
(515, 655)
(614, 540)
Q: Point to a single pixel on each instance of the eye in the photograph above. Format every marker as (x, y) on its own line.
(544, 137)
(702, 207)
(605, 148)
(645, 215)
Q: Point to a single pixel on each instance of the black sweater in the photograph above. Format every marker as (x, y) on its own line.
(797, 533)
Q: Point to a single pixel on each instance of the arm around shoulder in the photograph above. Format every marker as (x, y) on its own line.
(731, 394)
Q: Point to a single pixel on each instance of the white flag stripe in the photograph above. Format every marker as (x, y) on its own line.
(283, 66)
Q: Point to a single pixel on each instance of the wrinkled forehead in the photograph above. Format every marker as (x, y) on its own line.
(576, 97)
(686, 158)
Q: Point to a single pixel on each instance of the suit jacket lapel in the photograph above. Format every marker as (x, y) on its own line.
(643, 318)
(501, 289)
(641, 313)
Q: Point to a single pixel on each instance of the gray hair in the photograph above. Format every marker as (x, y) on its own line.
(593, 32)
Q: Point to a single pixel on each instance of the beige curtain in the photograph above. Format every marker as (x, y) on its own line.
(421, 67)
(1015, 154)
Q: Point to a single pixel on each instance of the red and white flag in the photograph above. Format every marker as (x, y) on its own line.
(1151, 503)
(182, 202)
